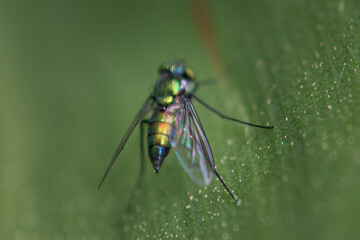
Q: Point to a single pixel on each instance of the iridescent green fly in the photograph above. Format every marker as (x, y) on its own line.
(175, 124)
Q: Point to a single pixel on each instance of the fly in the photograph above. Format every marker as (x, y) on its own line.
(175, 124)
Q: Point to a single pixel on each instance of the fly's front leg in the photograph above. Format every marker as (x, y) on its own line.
(136, 191)
(142, 153)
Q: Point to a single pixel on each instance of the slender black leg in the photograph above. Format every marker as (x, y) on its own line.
(226, 117)
(136, 190)
(142, 154)
(235, 198)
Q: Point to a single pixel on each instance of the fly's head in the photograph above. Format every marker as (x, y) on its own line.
(175, 79)
(178, 70)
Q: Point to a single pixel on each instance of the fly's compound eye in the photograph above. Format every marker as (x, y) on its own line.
(164, 69)
(189, 73)
(178, 70)
(173, 69)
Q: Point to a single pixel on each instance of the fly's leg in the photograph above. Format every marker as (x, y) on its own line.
(142, 155)
(226, 117)
(234, 197)
(136, 191)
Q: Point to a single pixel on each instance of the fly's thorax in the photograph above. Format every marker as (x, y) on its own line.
(175, 79)
(166, 90)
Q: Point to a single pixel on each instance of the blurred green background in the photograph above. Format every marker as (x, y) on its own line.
(74, 73)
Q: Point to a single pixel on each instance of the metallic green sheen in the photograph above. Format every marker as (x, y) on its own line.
(163, 117)
(166, 90)
(165, 101)
(159, 140)
(160, 127)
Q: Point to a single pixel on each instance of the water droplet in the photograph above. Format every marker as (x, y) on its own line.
(324, 146)
(285, 178)
(236, 227)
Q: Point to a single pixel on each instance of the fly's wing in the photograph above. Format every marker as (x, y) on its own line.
(191, 145)
(147, 106)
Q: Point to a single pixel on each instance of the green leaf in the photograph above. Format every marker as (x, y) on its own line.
(73, 75)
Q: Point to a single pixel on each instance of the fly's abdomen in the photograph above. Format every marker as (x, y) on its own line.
(160, 127)
(159, 134)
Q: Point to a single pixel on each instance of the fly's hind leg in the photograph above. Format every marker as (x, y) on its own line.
(136, 191)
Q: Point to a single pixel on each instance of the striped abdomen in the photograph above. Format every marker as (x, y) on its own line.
(161, 125)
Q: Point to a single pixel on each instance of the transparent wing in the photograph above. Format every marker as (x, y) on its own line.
(147, 106)
(191, 145)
